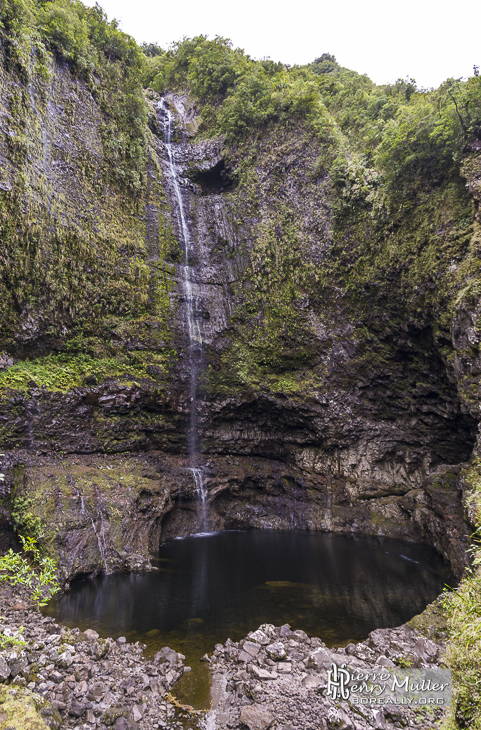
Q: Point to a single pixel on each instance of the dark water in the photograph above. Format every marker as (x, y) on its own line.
(221, 585)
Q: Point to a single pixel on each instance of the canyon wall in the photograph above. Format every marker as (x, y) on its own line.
(337, 391)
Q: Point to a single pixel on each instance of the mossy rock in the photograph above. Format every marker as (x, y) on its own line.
(20, 708)
(432, 622)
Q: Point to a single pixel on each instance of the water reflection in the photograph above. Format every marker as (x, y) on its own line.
(212, 587)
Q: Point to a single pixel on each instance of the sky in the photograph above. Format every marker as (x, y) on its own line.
(427, 40)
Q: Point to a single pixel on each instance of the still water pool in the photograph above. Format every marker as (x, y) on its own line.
(213, 586)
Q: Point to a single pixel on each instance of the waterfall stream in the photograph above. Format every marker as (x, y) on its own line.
(101, 547)
(193, 328)
(201, 493)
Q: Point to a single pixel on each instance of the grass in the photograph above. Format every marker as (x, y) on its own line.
(463, 607)
(63, 372)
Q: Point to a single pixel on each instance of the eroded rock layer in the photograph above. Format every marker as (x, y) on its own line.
(322, 403)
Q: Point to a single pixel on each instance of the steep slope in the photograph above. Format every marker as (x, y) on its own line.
(335, 389)
(315, 236)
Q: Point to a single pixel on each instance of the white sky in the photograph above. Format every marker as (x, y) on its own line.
(428, 40)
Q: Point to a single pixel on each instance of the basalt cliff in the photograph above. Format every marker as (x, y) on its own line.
(232, 294)
(335, 380)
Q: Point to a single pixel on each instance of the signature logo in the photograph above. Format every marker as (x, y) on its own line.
(383, 685)
(338, 679)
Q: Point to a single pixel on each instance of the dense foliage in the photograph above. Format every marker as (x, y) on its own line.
(106, 58)
(463, 607)
(414, 129)
(399, 247)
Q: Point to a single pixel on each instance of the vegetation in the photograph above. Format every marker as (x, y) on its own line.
(75, 241)
(392, 153)
(414, 129)
(390, 238)
(108, 60)
(25, 523)
(63, 371)
(463, 606)
(14, 640)
(32, 570)
(389, 157)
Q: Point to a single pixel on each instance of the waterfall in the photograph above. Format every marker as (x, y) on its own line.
(101, 547)
(201, 494)
(82, 503)
(193, 328)
(32, 410)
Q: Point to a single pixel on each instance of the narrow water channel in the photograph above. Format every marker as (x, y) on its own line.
(213, 586)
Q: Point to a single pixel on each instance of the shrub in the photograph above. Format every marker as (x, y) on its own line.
(32, 570)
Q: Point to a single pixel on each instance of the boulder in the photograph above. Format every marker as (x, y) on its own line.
(256, 717)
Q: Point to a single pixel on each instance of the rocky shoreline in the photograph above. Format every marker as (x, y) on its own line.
(65, 678)
(274, 678)
(277, 678)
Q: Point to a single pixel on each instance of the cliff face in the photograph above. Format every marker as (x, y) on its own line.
(336, 392)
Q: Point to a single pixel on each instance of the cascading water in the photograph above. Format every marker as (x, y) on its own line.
(193, 328)
(82, 502)
(101, 547)
(201, 493)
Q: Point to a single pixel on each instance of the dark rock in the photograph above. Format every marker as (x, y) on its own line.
(122, 723)
(77, 709)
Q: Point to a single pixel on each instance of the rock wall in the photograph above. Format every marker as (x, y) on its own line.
(312, 412)
(104, 513)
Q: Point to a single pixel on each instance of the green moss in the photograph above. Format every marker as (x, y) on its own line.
(110, 488)
(432, 622)
(22, 708)
(62, 371)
